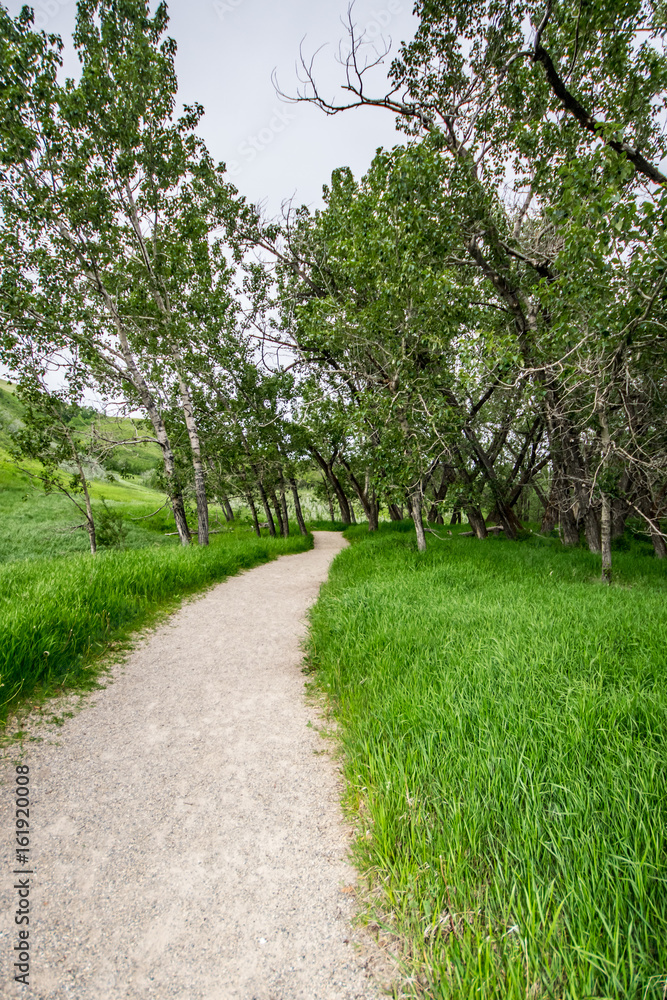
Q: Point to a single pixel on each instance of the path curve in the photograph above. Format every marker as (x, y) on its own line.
(186, 832)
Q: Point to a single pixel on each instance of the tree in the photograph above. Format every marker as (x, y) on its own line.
(115, 202)
(546, 117)
(50, 439)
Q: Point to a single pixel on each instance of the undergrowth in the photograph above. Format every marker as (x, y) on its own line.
(503, 718)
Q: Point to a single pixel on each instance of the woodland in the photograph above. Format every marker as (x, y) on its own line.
(474, 329)
(459, 361)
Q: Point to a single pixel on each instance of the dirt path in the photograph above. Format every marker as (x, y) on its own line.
(186, 834)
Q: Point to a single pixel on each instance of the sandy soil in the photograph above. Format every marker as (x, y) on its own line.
(187, 839)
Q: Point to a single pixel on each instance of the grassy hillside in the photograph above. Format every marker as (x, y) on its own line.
(35, 525)
(504, 721)
(10, 412)
(130, 459)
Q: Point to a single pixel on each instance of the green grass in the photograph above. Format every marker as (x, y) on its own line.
(503, 717)
(57, 615)
(132, 459)
(34, 525)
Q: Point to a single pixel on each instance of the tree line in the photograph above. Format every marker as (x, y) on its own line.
(474, 327)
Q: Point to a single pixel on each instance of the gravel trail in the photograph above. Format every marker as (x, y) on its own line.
(187, 839)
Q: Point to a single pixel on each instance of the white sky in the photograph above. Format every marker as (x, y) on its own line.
(227, 50)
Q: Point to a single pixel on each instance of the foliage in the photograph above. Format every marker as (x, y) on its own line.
(110, 527)
(541, 128)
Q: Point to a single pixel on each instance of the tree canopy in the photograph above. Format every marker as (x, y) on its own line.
(476, 326)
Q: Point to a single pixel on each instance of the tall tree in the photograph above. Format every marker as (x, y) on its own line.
(116, 201)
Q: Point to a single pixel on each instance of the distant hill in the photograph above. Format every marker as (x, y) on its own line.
(128, 461)
(10, 411)
(33, 524)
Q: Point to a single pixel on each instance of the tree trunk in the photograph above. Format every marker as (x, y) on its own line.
(197, 464)
(267, 509)
(565, 447)
(651, 510)
(373, 513)
(416, 511)
(297, 507)
(186, 399)
(550, 516)
(592, 529)
(605, 538)
(619, 515)
(253, 511)
(90, 522)
(395, 512)
(657, 536)
(506, 515)
(276, 508)
(658, 539)
(133, 375)
(569, 527)
(620, 509)
(344, 507)
(284, 511)
(476, 521)
(327, 469)
(435, 515)
(227, 507)
(367, 498)
(456, 515)
(440, 494)
(561, 500)
(329, 499)
(176, 497)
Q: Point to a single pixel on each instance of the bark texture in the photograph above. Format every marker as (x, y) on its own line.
(297, 507)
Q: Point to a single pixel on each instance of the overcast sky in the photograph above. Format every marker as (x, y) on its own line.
(227, 50)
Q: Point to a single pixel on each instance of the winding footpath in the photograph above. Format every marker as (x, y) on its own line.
(187, 839)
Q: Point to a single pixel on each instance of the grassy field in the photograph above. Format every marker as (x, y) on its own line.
(131, 459)
(34, 525)
(503, 718)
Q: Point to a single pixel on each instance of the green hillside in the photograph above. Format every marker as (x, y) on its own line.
(34, 524)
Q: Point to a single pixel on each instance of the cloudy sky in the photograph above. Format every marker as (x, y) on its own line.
(227, 50)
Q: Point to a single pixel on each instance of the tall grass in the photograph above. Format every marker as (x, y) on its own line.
(503, 717)
(55, 613)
